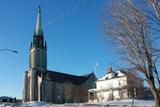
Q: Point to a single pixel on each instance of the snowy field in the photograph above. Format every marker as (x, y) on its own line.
(122, 103)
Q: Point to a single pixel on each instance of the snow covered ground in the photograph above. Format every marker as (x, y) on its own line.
(139, 103)
(122, 103)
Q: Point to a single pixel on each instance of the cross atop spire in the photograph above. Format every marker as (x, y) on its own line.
(38, 24)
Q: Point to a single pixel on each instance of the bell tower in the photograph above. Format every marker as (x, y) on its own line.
(37, 62)
(38, 48)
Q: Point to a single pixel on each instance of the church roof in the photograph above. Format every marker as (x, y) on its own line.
(63, 77)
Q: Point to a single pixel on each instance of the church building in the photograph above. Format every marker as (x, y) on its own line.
(41, 84)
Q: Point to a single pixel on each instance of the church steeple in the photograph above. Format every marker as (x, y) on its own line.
(38, 24)
(38, 39)
(38, 48)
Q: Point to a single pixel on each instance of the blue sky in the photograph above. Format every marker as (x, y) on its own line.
(75, 42)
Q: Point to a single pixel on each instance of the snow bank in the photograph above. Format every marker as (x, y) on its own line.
(36, 104)
(137, 103)
(128, 102)
(104, 103)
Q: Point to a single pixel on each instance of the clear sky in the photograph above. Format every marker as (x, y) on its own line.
(75, 42)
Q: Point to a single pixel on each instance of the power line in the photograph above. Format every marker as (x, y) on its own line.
(74, 8)
(9, 50)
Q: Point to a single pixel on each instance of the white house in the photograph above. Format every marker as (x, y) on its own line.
(117, 85)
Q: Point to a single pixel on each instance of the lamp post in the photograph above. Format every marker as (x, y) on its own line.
(9, 50)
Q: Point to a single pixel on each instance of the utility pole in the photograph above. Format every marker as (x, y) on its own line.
(95, 68)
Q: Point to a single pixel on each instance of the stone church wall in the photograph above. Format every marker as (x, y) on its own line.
(48, 91)
(90, 82)
(57, 93)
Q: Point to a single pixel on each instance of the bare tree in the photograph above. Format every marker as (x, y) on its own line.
(80, 93)
(156, 7)
(129, 24)
(68, 91)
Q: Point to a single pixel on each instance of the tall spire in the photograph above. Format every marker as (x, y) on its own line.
(38, 40)
(38, 24)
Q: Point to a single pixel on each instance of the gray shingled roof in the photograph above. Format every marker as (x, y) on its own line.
(63, 77)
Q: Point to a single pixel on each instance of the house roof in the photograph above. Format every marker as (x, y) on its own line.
(63, 77)
(118, 74)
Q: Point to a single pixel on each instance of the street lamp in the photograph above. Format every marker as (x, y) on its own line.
(9, 50)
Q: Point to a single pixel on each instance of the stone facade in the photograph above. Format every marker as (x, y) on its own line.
(41, 84)
(56, 87)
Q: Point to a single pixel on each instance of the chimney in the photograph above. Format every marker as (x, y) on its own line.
(110, 70)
